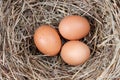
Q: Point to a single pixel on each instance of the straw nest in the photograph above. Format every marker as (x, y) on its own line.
(20, 59)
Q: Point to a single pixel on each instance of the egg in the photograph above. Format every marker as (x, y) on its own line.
(47, 40)
(74, 27)
(75, 52)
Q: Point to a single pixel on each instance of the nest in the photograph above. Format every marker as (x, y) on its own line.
(21, 60)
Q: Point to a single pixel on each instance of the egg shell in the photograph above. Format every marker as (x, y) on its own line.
(75, 52)
(74, 27)
(47, 40)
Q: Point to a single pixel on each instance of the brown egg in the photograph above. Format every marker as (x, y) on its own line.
(75, 52)
(74, 27)
(47, 40)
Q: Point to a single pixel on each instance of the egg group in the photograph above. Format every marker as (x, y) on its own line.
(72, 28)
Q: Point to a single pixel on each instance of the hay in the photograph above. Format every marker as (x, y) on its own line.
(20, 59)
